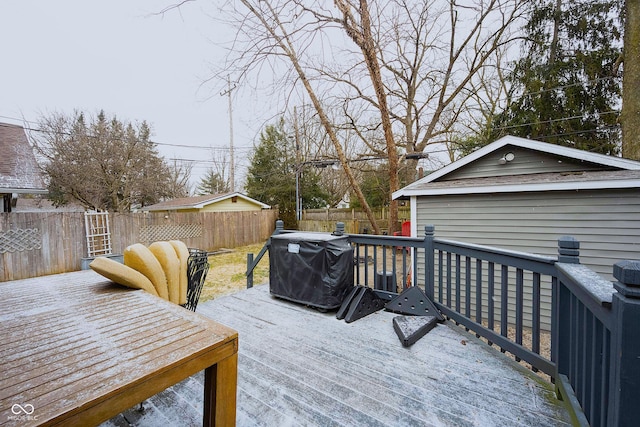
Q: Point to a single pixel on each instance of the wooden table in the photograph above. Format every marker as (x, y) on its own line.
(76, 349)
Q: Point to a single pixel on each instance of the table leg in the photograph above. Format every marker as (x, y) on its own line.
(220, 387)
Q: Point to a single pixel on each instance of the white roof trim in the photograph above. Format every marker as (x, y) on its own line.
(611, 161)
(207, 202)
(7, 190)
(519, 188)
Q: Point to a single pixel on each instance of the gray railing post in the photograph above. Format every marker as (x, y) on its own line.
(568, 253)
(625, 346)
(429, 232)
(339, 231)
(249, 268)
(568, 250)
(250, 263)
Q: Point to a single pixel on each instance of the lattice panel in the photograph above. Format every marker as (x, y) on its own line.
(26, 239)
(154, 233)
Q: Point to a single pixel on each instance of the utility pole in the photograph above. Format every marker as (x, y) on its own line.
(232, 174)
(298, 165)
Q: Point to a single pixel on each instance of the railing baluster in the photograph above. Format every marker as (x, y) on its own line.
(535, 315)
(357, 261)
(519, 306)
(458, 283)
(593, 368)
(449, 279)
(467, 287)
(440, 282)
(585, 356)
(394, 268)
(573, 365)
(504, 301)
(405, 279)
(490, 296)
(604, 383)
(478, 293)
(384, 261)
(366, 265)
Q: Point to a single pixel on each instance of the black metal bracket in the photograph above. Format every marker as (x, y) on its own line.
(344, 307)
(414, 301)
(411, 328)
(360, 302)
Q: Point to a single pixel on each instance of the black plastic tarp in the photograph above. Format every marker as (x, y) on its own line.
(311, 268)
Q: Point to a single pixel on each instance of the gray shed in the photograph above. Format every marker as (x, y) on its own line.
(523, 195)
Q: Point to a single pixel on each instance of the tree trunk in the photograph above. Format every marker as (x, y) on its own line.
(287, 48)
(630, 116)
(362, 36)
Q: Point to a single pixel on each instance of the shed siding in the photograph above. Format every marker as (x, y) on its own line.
(525, 162)
(607, 223)
(228, 205)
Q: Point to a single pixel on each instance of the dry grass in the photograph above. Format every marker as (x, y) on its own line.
(227, 272)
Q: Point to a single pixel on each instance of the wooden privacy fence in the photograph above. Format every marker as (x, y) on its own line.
(41, 243)
(355, 221)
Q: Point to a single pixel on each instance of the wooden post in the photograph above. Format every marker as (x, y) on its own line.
(625, 346)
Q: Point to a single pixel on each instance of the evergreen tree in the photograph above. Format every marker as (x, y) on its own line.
(271, 177)
(566, 89)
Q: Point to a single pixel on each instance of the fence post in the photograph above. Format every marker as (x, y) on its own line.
(429, 231)
(625, 345)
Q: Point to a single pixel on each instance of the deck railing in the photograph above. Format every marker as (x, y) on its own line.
(556, 315)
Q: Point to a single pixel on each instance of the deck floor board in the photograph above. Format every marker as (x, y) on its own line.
(298, 366)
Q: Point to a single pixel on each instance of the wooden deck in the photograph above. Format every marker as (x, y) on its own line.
(298, 366)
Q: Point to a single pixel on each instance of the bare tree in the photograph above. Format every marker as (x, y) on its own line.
(314, 149)
(399, 73)
(100, 163)
(179, 176)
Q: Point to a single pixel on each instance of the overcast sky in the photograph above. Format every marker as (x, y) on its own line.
(116, 55)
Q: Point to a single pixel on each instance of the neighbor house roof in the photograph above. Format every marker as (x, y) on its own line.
(617, 173)
(19, 171)
(199, 202)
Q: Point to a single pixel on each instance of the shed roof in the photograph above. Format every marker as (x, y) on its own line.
(199, 202)
(19, 171)
(617, 173)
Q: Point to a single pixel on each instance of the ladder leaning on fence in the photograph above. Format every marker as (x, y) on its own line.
(96, 225)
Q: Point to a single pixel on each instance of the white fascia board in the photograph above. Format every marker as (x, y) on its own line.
(519, 188)
(23, 191)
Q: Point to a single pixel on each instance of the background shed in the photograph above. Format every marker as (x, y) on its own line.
(227, 202)
(523, 195)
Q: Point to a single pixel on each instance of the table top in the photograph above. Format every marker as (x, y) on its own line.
(71, 342)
